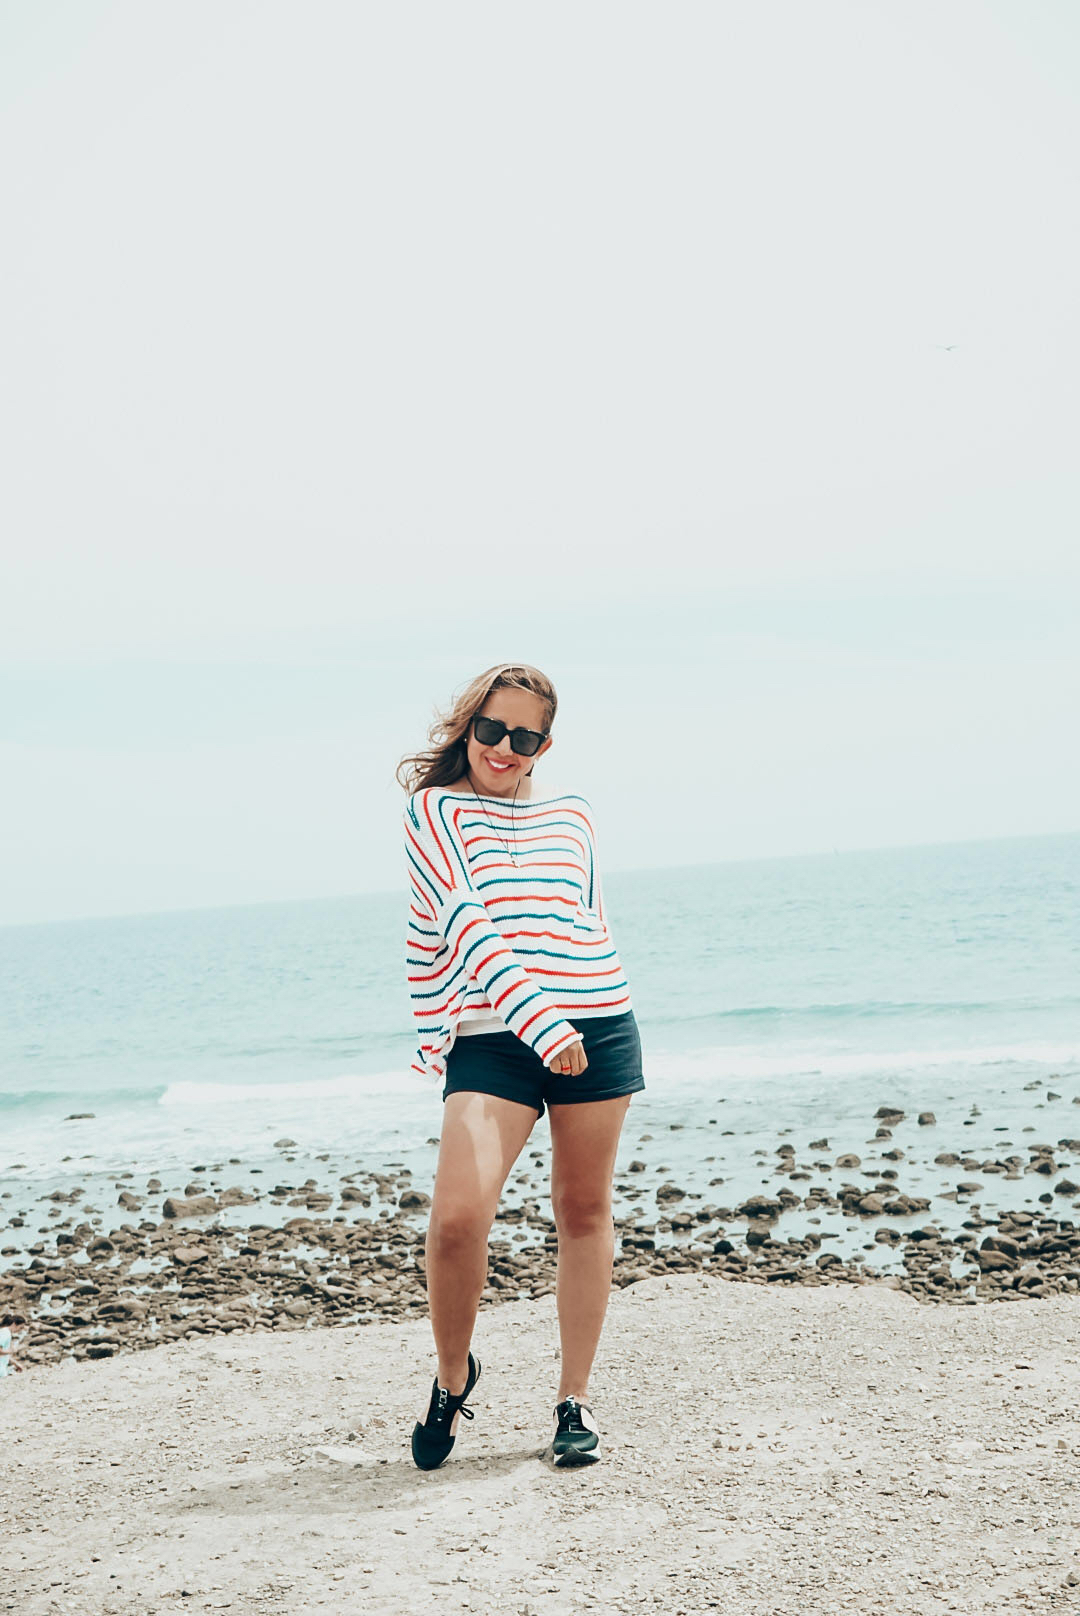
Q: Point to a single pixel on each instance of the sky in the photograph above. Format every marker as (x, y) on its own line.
(721, 360)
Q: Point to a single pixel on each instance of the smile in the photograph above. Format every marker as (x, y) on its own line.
(499, 767)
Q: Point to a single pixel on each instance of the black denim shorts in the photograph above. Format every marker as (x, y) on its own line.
(499, 1063)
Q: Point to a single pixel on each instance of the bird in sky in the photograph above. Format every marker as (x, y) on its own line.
(946, 347)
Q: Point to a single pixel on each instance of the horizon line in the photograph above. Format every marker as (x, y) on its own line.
(377, 892)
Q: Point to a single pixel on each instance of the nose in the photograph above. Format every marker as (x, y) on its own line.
(504, 745)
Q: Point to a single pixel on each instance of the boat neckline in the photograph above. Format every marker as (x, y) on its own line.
(522, 802)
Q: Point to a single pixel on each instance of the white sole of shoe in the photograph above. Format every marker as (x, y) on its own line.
(572, 1458)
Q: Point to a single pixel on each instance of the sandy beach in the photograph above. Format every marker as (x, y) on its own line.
(854, 1389)
(769, 1451)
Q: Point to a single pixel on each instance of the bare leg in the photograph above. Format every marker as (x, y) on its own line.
(482, 1137)
(584, 1139)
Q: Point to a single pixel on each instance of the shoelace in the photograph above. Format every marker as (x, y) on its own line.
(444, 1413)
(572, 1420)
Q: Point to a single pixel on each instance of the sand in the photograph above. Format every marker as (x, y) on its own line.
(768, 1451)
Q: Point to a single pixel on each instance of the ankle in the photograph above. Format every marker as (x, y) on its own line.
(453, 1376)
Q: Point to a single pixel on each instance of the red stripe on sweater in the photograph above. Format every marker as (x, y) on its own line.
(532, 897)
(441, 879)
(527, 1024)
(531, 869)
(525, 841)
(524, 813)
(542, 970)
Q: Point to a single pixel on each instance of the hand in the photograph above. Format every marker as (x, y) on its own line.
(569, 1062)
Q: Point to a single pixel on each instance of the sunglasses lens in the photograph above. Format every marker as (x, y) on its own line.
(489, 731)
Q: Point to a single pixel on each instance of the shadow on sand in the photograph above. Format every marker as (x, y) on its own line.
(340, 1480)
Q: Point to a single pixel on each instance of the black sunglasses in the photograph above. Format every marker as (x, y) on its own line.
(490, 731)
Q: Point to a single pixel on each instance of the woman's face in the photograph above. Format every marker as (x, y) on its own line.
(496, 770)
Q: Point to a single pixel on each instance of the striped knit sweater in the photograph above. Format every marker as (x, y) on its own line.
(524, 940)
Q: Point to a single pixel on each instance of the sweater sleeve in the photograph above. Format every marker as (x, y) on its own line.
(441, 879)
(596, 885)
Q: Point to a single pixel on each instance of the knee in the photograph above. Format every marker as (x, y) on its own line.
(578, 1215)
(456, 1226)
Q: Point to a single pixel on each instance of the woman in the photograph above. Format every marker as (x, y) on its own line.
(521, 1002)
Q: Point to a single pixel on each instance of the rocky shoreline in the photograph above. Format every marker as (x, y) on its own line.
(355, 1253)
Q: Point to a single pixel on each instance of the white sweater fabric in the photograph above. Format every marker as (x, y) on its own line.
(506, 921)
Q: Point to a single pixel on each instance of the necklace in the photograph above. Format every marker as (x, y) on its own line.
(513, 820)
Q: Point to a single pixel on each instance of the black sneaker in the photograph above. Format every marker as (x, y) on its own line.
(432, 1441)
(577, 1436)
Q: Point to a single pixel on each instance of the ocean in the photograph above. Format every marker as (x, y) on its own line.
(778, 998)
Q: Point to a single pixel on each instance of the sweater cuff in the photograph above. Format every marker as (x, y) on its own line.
(553, 1039)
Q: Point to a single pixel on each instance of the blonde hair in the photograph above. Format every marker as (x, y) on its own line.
(446, 758)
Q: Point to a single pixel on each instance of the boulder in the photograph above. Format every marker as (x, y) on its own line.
(192, 1206)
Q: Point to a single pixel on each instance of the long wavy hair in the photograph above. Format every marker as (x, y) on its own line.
(446, 758)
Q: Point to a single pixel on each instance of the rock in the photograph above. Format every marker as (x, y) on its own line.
(125, 1307)
(758, 1206)
(670, 1192)
(887, 1113)
(193, 1206)
(818, 1144)
(284, 1144)
(188, 1256)
(871, 1203)
(849, 1160)
(989, 1261)
(236, 1196)
(129, 1202)
(1066, 1186)
(80, 1116)
(1002, 1242)
(413, 1201)
(927, 1119)
(636, 1167)
(100, 1246)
